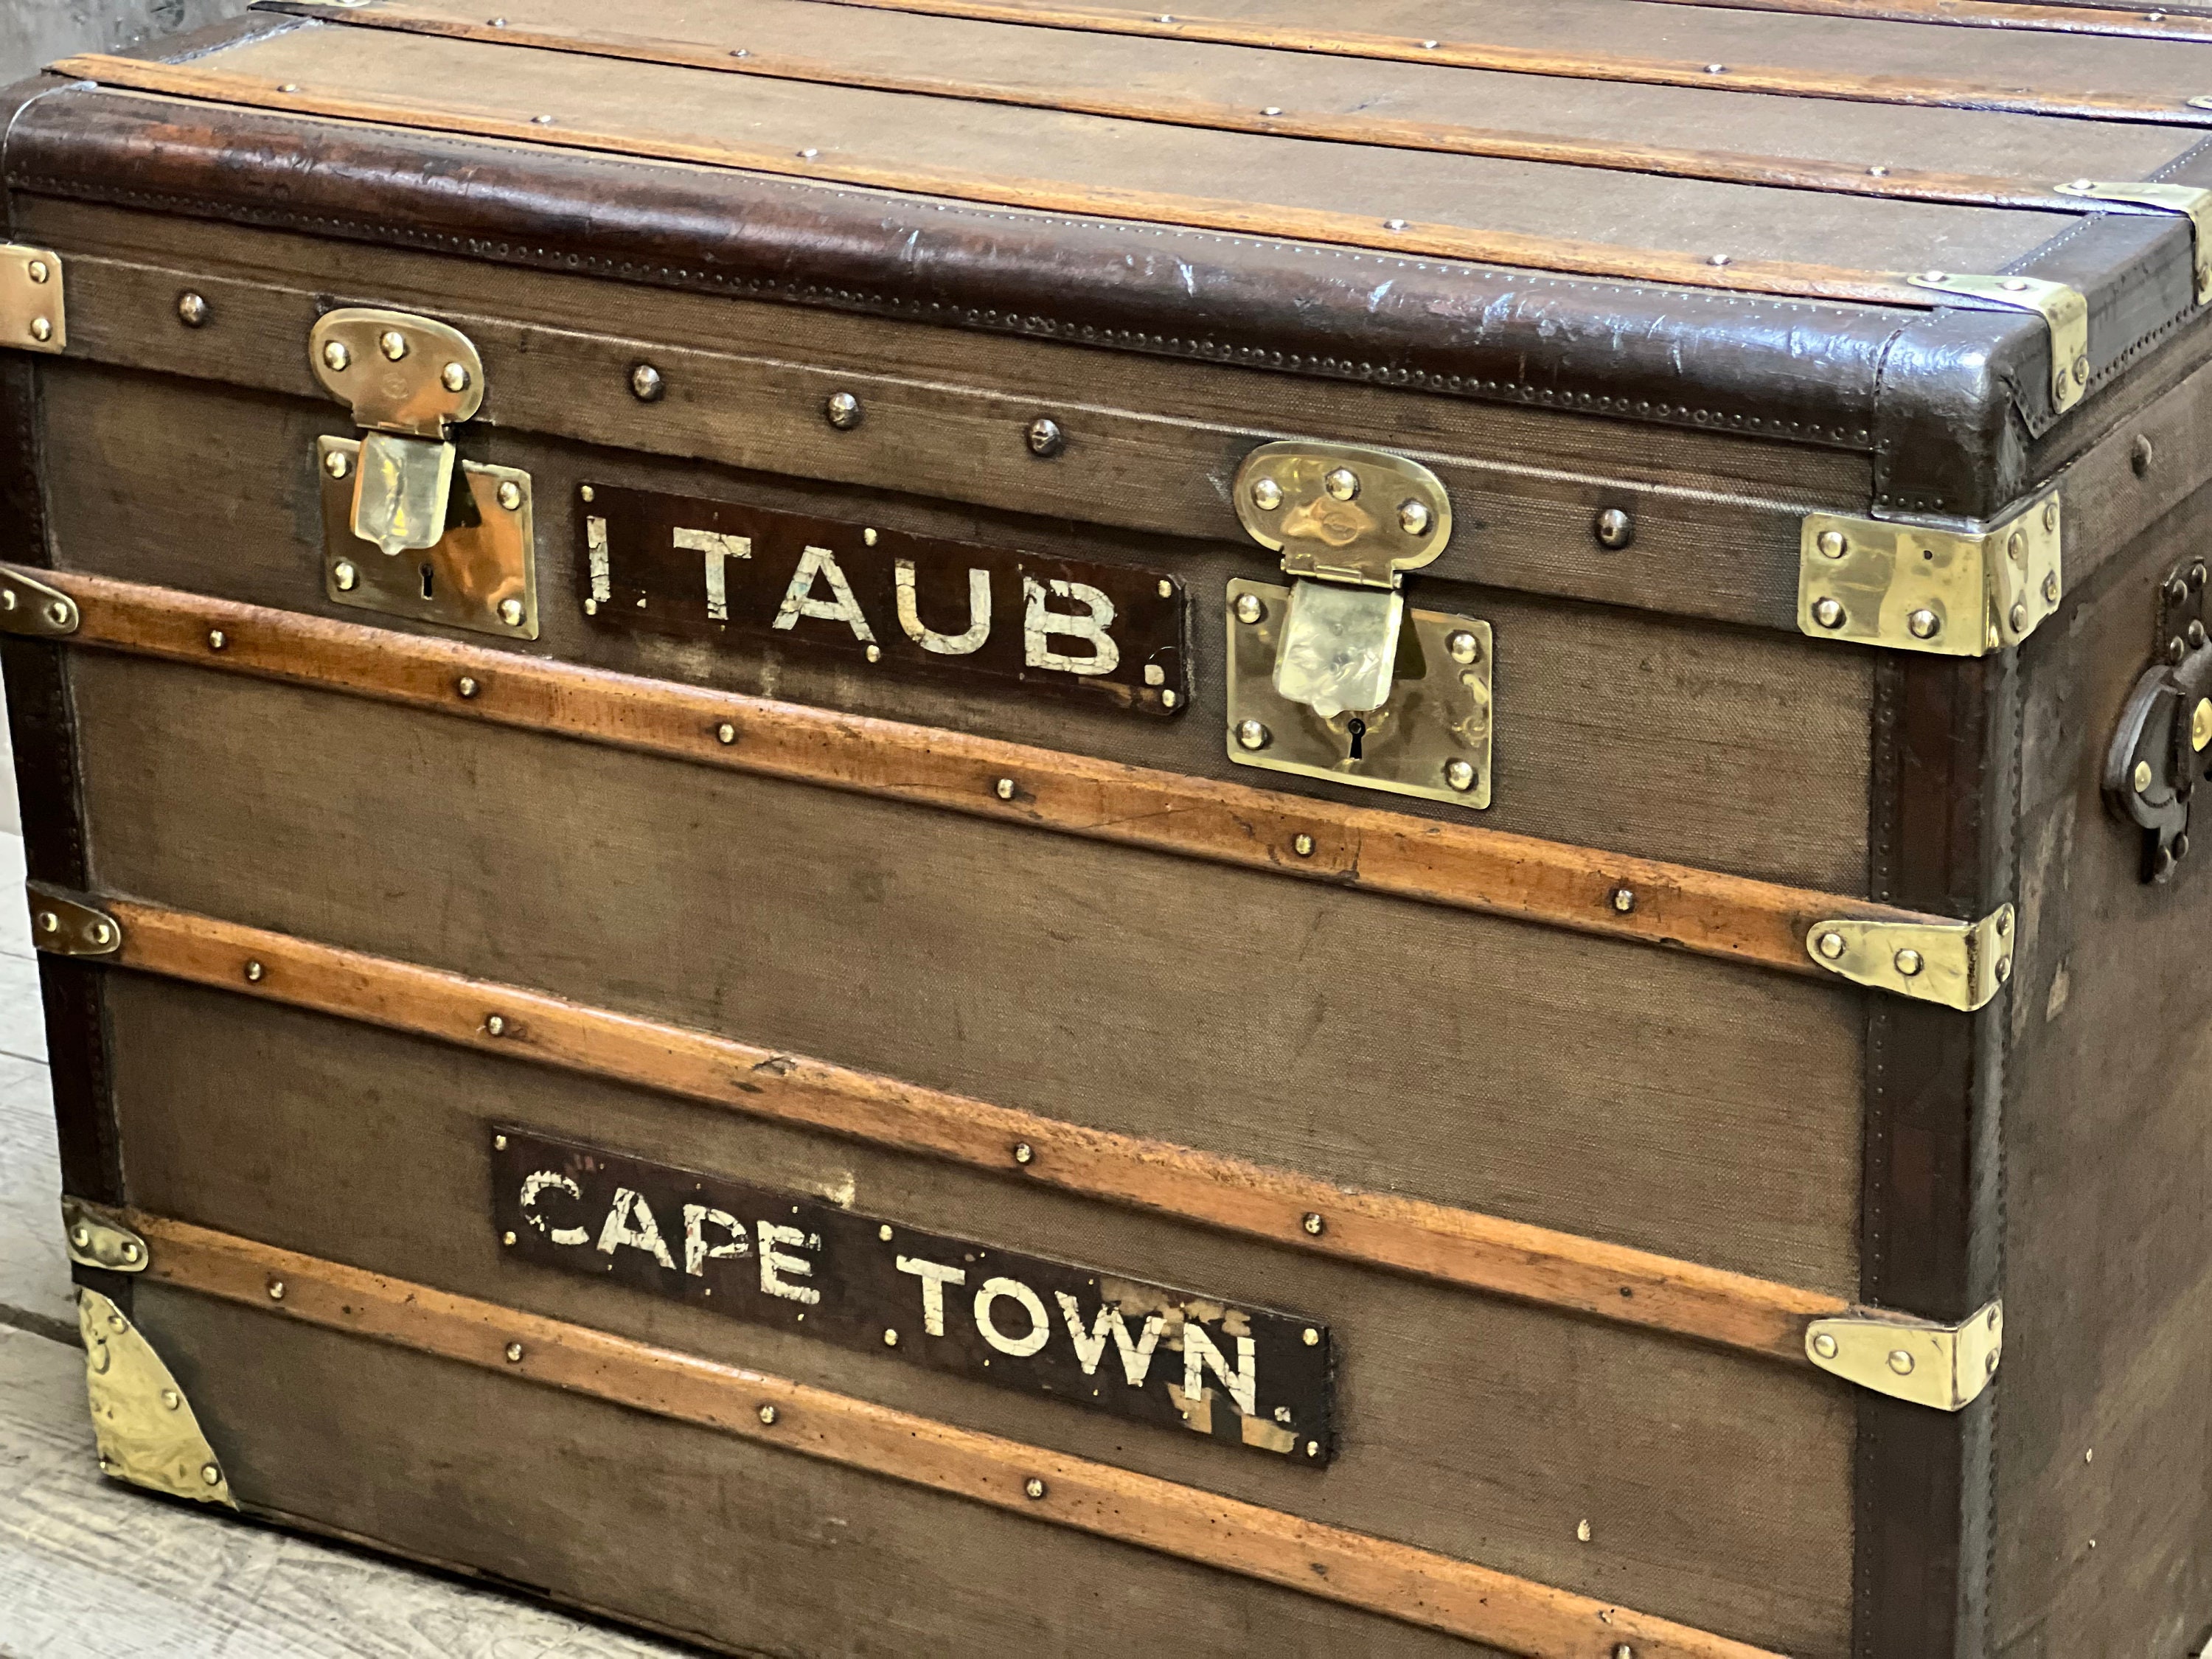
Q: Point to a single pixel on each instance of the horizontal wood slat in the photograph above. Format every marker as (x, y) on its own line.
(1458, 865)
(2084, 104)
(1724, 167)
(1397, 1581)
(1457, 1247)
(2145, 22)
(1770, 277)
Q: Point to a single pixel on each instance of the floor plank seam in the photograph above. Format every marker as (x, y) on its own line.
(37, 1324)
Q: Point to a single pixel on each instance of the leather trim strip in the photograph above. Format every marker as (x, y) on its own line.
(1460, 866)
(1782, 278)
(1417, 1587)
(1456, 1247)
(1724, 167)
(1521, 60)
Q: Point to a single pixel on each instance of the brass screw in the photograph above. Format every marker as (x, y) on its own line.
(275, 1289)
(42, 329)
(1250, 734)
(1624, 899)
(1045, 438)
(646, 384)
(466, 686)
(1024, 1153)
(1615, 529)
(767, 1414)
(1033, 1487)
(726, 732)
(1824, 1346)
(510, 495)
(1909, 963)
(193, 310)
(345, 575)
(1004, 789)
(1312, 1337)
(891, 1338)
(392, 344)
(454, 377)
(1267, 494)
(216, 640)
(1833, 544)
(514, 1353)
(1829, 613)
(1249, 610)
(1463, 646)
(1413, 518)
(1900, 1362)
(842, 411)
(1303, 845)
(1459, 773)
(1925, 624)
(510, 612)
(337, 464)
(495, 1025)
(1341, 482)
(1831, 944)
(255, 971)
(1313, 1223)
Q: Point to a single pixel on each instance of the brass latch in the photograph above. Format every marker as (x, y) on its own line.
(1325, 677)
(2186, 200)
(2161, 753)
(95, 1239)
(1911, 587)
(2065, 311)
(66, 926)
(1945, 1366)
(34, 313)
(408, 378)
(1959, 964)
(144, 1427)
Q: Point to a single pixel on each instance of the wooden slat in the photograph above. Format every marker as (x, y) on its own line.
(1458, 865)
(1770, 277)
(1417, 1587)
(2147, 23)
(1790, 81)
(1724, 167)
(1456, 1247)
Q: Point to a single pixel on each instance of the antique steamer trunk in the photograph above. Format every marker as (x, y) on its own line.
(944, 827)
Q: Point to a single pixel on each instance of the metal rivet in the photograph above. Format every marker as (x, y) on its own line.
(1909, 963)
(767, 1414)
(1583, 1531)
(1303, 845)
(337, 464)
(1313, 1449)
(868, 536)
(541, 120)
(1168, 698)
(38, 270)
(57, 613)
(1824, 1346)
(1615, 529)
(2050, 588)
(466, 686)
(454, 377)
(1023, 1152)
(1900, 1362)
(2200, 725)
(2081, 371)
(883, 1232)
(1004, 789)
(891, 1338)
(1167, 588)
(1045, 437)
(1033, 1487)
(1267, 494)
(510, 612)
(2018, 617)
(2196, 575)
(1877, 173)
(42, 329)
(1413, 518)
(1622, 899)
(1829, 613)
(1717, 260)
(2050, 515)
(216, 639)
(336, 357)
(191, 310)
(2195, 634)
(499, 1143)
(1923, 624)
(875, 654)
(1249, 610)
(2015, 547)
(49, 922)
(275, 1289)
(1831, 944)
(1717, 69)
(1250, 734)
(1313, 1223)
(1394, 224)
(514, 1353)
(1272, 109)
(2143, 776)
(255, 971)
(2140, 454)
(80, 1237)
(1312, 1337)
(494, 1025)
(646, 384)
(2004, 963)
(1463, 646)
(586, 493)
(809, 153)
(2175, 650)
(102, 933)
(1341, 482)
(1459, 773)
(507, 1238)
(726, 732)
(510, 495)
(841, 410)
(392, 344)
(211, 1474)
(345, 575)
(172, 1400)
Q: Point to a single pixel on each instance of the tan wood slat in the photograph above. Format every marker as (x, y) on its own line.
(1458, 1247)
(1770, 277)
(2082, 104)
(2179, 22)
(1417, 1586)
(1460, 866)
(1725, 167)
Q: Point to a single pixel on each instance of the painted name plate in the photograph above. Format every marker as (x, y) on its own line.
(1248, 1377)
(745, 575)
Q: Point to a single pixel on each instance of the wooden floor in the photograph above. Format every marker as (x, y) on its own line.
(93, 1570)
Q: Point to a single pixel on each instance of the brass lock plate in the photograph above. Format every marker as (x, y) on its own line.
(1431, 738)
(482, 574)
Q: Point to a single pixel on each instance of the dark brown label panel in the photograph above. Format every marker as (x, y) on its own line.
(1249, 1376)
(718, 570)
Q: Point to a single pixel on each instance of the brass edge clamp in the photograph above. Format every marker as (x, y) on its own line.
(2186, 200)
(1946, 1367)
(1945, 591)
(34, 309)
(67, 926)
(94, 1238)
(146, 1429)
(1957, 964)
(2064, 310)
(29, 607)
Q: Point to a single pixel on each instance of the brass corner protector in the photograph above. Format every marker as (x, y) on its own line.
(1948, 593)
(96, 1239)
(2186, 200)
(2065, 311)
(69, 927)
(29, 606)
(34, 313)
(146, 1430)
(1959, 964)
(1943, 1366)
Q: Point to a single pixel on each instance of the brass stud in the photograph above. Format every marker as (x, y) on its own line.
(1622, 899)
(2143, 776)
(891, 1338)
(2194, 633)
(1167, 588)
(38, 270)
(1909, 963)
(875, 654)
(1615, 529)
(1341, 482)
(1249, 609)
(495, 1025)
(1045, 438)
(42, 329)
(2018, 617)
(2050, 587)
(49, 922)
(1831, 944)
(1833, 544)
(1464, 647)
(1900, 1362)
(1024, 1153)
(586, 493)
(275, 1289)
(1267, 494)
(336, 357)
(392, 344)
(842, 411)
(466, 685)
(1033, 1487)
(1313, 1449)
(510, 612)
(210, 1474)
(510, 495)
(1004, 789)
(2015, 547)
(1250, 734)
(255, 973)
(345, 575)
(102, 934)
(1313, 1223)
(454, 377)
(1169, 699)
(1303, 845)
(1312, 1337)
(56, 613)
(216, 639)
(172, 1400)
(2200, 724)
(337, 464)
(646, 384)
(1459, 773)
(506, 1239)
(883, 1232)
(1824, 1346)
(514, 1353)
(767, 1415)
(2051, 514)
(1925, 624)
(193, 310)
(499, 1143)
(1413, 518)
(1829, 613)
(726, 732)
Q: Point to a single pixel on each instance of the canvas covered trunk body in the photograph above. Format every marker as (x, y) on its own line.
(924, 828)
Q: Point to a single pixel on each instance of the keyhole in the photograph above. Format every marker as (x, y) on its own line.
(426, 582)
(1357, 728)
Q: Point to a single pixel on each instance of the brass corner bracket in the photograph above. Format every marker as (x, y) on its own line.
(96, 1239)
(33, 314)
(147, 1432)
(1959, 964)
(67, 926)
(2185, 200)
(1943, 1366)
(2065, 311)
(1948, 593)
(29, 607)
